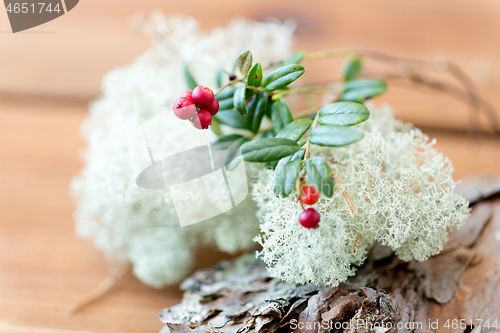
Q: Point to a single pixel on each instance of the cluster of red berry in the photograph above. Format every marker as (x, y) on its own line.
(310, 217)
(198, 106)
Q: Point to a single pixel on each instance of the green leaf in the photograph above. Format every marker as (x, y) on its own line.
(215, 126)
(226, 93)
(351, 68)
(283, 76)
(251, 106)
(231, 118)
(225, 98)
(280, 114)
(233, 149)
(271, 165)
(321, 175)
(267, 134)
(286, 175)
(245, 62)
(226, 104)
(255, 75)
(360, 90)
(239, 100)
(267, 150)
(260, 111)
(295, 130)
(299, 155)
(295, 58)
(229, 138)
(335, 136)
(231, 143)
(343, 113)
(191, 83)
(220, 71)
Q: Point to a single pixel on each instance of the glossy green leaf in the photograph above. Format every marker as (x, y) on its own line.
(231, 143)
(225, 98)
(267, 135)
(239, 100)
(226, 93)
(280, 114)
(360, 90)
(283, 76)
(295, 58)
(271, 165)
(286, 175)
(321, 175)
(351, 68)
(226, 104)
(215, 126)
(295, 130)
(267, 150)
(190, 81)
(301, 143)
(343, 113)
(229, 138)
(255, 75)
(233, 149)
(218, 78)
(249, 93)
(335, 136)
(299, 155)
(260, 111)
(251, 106)
(231, 118)
(244, 62)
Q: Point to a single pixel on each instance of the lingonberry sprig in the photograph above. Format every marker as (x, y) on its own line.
(250, 96)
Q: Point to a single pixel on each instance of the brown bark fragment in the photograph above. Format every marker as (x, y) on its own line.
(463, 282)
(478, 187)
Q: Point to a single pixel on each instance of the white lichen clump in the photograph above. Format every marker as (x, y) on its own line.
(403, 190)
(140, 226)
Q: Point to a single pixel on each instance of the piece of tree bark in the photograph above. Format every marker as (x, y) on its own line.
(459, 287)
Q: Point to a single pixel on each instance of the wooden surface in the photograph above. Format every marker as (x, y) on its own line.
(67, 57)
(50, 72)
(45, 268)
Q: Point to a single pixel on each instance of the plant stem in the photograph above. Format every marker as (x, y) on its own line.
(412, 67)
(329, 54)
(307, 112)
(308, 90)
(230, 83)
(308, 144)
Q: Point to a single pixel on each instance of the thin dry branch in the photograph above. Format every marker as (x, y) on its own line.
(413, 69)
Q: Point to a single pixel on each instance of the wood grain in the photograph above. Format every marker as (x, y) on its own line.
(45, 268)
(67, 57)
(50, 72)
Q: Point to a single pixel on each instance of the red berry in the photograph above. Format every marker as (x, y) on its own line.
(202, 120)
(188, 94)
(214, 107)
(310, 195)
(184, 108)
(309, 218)
(203, 96)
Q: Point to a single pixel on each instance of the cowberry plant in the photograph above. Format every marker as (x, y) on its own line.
(245, 101)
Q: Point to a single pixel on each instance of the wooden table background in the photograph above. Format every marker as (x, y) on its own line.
(48, 75)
